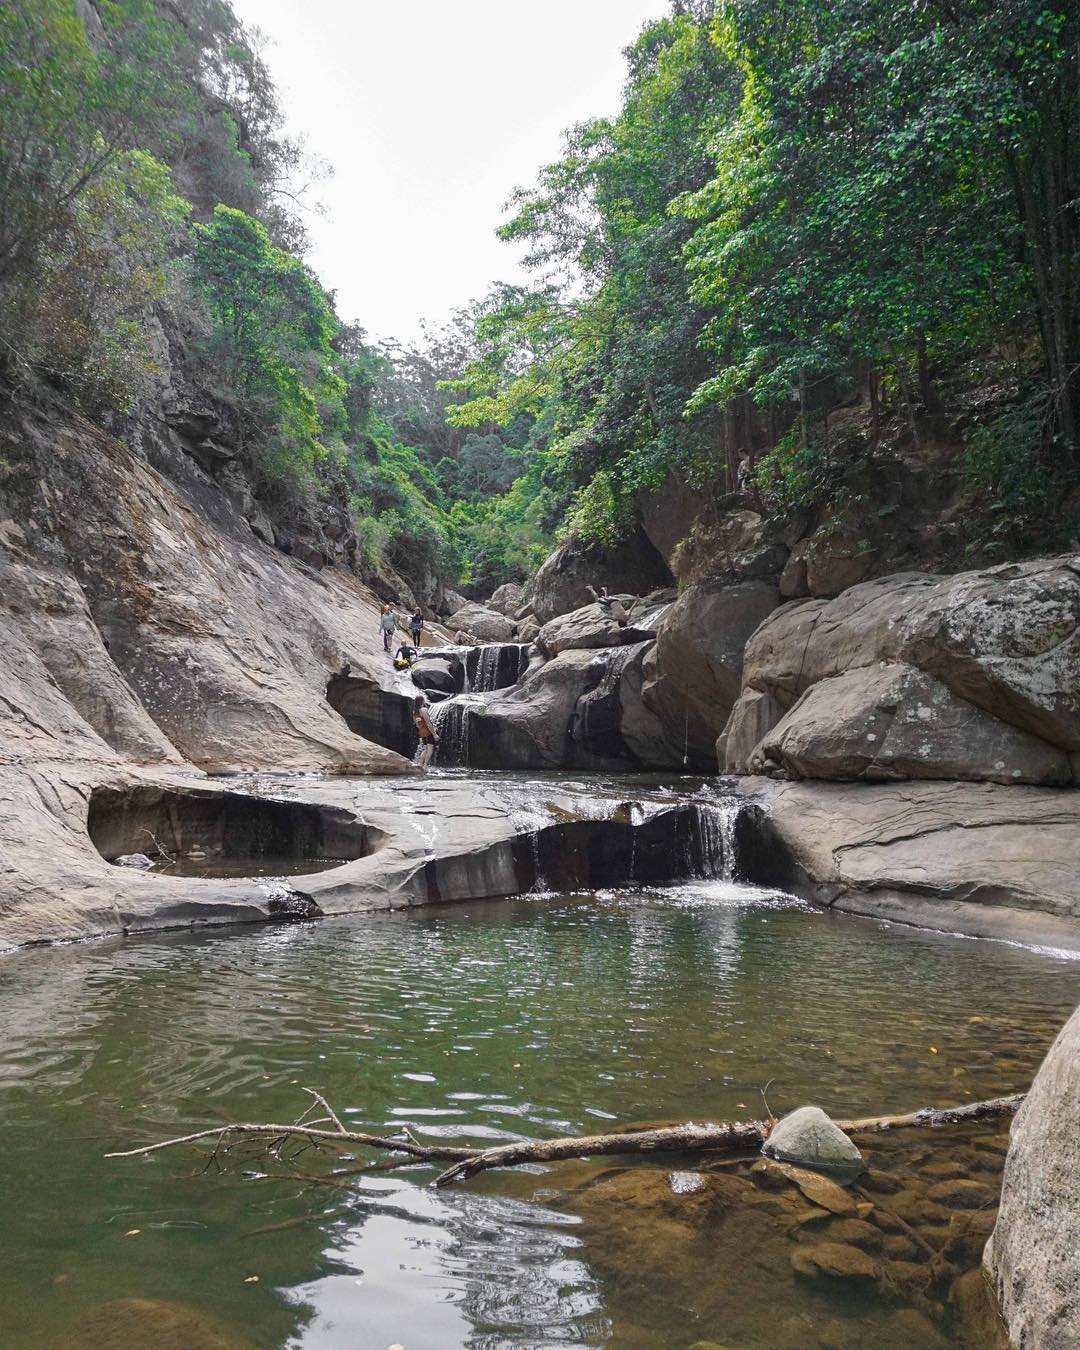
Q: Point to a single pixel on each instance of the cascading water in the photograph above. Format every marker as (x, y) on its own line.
(714, 838)
(485, 670)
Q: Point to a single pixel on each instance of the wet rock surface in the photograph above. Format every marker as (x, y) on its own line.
(748, 1262)
(809, 1138)
(974, 858)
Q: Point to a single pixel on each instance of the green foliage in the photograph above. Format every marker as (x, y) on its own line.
(793, 474)
(601, 513)
(272, 343)
(88, 220)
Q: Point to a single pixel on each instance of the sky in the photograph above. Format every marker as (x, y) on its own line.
(431, 113)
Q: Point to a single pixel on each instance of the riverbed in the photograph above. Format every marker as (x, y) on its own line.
(545, 1014)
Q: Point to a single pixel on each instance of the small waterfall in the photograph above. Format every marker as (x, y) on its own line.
(714, 838)
(451, 722)
(496, 665)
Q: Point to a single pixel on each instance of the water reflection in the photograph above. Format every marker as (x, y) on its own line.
(480, 1022)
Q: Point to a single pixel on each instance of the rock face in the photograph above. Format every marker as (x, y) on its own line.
(562, 583)
(1032, 1253)
(894, 721)
(973, 858)
(699, 662)
(994, 656)
(486, 624)
(808, 1138)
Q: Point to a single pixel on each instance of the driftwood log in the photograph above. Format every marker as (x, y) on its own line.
(736, 1136)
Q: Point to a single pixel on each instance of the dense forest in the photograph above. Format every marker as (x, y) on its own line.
(809, 231)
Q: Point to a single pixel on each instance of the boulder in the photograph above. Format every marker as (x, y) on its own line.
(668, 513)
(432, 673)
(809, 1138)
(793, 579)
(1032, 1254)
(894, 721)
(699, 660)
(528, 630)
(835, 560)
(532, 725)
(643, 734)
(452, 602)
(960, 857)
(562, 583)
(833, 1261)
(590, 626)
(481, 622)
(1005, 640)
(735, 547)
(755, 714)
(506, 599)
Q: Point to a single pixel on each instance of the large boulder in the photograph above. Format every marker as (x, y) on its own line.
(562, 583)
(484, 623)
(1032, 1253)
(1006, 640)
(974, 858)
(894, 721)
(590, 626)
(531, 725)
(506, 599)
(432, 672)
(699, 659)
(643, 734)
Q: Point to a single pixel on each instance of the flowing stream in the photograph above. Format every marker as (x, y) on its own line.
(529, 1017)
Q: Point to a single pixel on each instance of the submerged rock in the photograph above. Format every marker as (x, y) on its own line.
(147, 1324)
(833, 1261)
(807, 1137)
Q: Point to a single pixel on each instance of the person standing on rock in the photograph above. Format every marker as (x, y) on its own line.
(425, 730)
(387, 624)
(613, 609)
(416, 623)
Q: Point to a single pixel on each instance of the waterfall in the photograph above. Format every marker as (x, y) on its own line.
(714, 838)
(496, 665)
(450, 720)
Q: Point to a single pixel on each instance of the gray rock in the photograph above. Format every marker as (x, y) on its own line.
(528, 630)
(137, 860)
(808, 1138)
(1006, 640)
(506, 599)
(588, 627)
(483, 623)
(562, 583)
(699, 662)
(434, 674)
(643, 733)
(974, 858)
(1032, 1254)
(893, 721)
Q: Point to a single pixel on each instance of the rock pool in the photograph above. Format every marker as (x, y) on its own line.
(486, 1021)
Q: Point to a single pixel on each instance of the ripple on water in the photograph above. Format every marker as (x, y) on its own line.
(485, 1022)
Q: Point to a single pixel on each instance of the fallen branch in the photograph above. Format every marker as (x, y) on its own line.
(467, 1162)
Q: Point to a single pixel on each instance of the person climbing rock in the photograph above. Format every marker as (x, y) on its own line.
(612, 607)
(416, 624)
(387, 624)
(404, 656)
(425, 730)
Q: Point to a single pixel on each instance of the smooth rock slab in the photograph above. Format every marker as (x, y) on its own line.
(808, 1138)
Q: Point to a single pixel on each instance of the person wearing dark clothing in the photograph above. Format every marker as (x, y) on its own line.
(416, 623)
(404, 657)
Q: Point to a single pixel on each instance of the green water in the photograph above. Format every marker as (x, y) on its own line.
(477, 1022)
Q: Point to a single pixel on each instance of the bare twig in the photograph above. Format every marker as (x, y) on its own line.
(688, 1138)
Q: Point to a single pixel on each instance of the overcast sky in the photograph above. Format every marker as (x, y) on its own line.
(431, 113)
